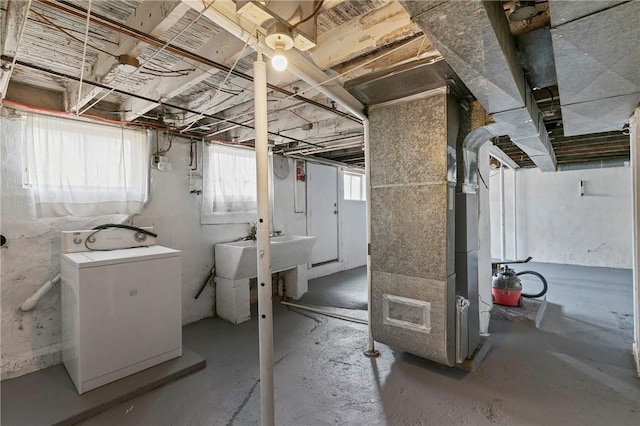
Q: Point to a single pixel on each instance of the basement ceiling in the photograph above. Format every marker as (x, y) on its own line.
(196, 76)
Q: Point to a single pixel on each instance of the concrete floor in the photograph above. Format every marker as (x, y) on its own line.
(576, 369)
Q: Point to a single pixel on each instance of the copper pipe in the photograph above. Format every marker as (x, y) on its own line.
(153, 41)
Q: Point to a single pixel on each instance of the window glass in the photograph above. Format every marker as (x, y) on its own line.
(229, 185)
(77, 168)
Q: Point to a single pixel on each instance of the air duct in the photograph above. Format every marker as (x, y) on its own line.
(597, 56)
(475, 40)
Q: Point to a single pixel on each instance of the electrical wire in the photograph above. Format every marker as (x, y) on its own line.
(314, 13)
(226, 78)
(153, 56)
(84, 50)
(364, 64)
(17, 48)
(46, 21)
(193, 155)
(94, 34)
(100, 228)
(114, 25)
(170, 139)
(481, 178)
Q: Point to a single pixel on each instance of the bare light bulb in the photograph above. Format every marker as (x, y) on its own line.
(279, 61)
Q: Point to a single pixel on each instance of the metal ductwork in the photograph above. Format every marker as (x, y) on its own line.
(597, 56)
(475, 39)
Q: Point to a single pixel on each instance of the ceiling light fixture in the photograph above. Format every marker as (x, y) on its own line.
(521, 10)
(128, 63)
(280, 40)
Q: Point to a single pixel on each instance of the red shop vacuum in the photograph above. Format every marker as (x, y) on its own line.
(506, 287)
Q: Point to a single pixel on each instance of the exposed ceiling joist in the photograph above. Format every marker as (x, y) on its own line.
(375, 29)
(500, 155)
(152, 17)
(224, 49)
(12, 29)
(222, 12)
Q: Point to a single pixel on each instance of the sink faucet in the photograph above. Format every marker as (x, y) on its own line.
(275, 234)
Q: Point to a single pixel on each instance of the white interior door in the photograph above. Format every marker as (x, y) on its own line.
(322, 205)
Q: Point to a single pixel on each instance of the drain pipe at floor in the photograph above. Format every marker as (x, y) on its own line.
(326, 313)
(31, 302)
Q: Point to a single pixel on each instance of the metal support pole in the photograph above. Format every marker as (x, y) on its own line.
(515, 220)
(265, 319)
(371, 351)
(503, 241)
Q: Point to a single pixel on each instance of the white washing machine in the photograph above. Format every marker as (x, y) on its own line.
(121, 308)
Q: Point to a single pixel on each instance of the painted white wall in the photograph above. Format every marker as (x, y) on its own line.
(635, 195)
(31, 340)
(557, 225)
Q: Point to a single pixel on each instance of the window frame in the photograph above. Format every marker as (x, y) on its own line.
(57, 194)
(350, 175)
(207, 215)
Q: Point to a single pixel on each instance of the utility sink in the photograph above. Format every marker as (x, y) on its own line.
(238, 259)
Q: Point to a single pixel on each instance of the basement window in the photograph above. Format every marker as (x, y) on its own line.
(354, 186)
(229, 188)
(76, 168)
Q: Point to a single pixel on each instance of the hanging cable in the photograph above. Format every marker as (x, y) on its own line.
(226, 78)
(84, 50)
(193, 155)
(314, 13)
(46, 21)
(170, 139)
(148, 60)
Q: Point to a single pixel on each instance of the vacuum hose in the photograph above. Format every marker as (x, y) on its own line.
(544, 284)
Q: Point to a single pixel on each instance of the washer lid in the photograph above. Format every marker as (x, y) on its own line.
(90, 259)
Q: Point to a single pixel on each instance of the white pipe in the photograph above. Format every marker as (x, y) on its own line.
(265, 309)
(299, 65)
(31, 302)
(371, 349)
(327, 313)
(515, 220)
(503, 242)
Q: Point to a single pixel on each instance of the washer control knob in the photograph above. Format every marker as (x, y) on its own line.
(140, 237)
(77, 240)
